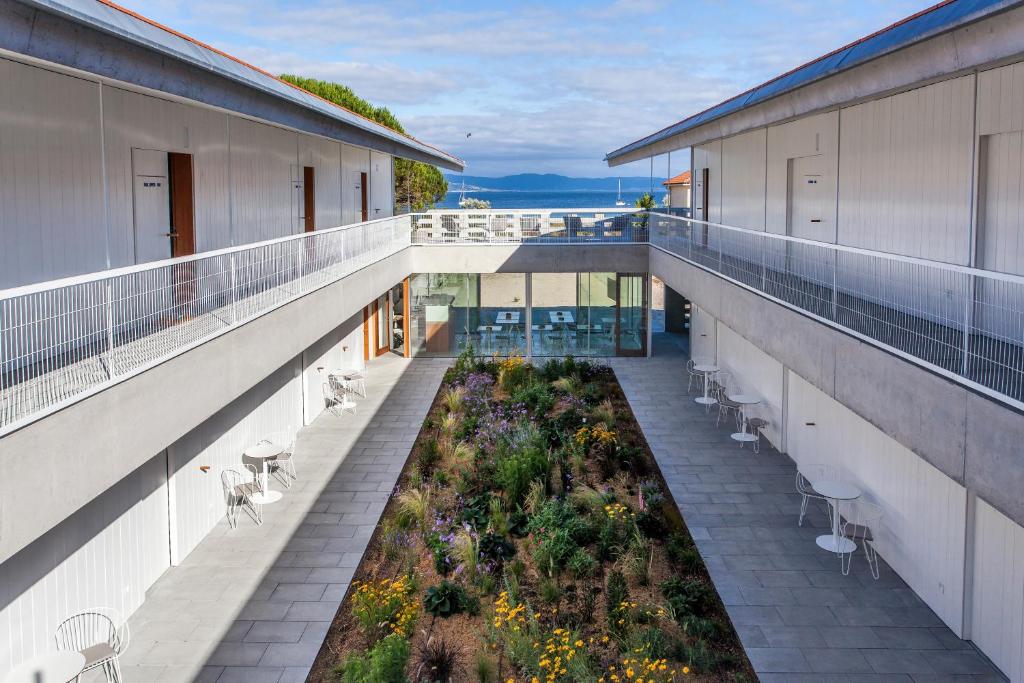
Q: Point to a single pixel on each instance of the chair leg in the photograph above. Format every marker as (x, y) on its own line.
(872, 557)
(844, 562)
(803, 511)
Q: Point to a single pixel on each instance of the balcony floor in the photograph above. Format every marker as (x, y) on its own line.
(798, 617)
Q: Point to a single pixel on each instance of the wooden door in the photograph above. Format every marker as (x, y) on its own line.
(183, 235)
(364, 181)
(376, 328)
(308, 199)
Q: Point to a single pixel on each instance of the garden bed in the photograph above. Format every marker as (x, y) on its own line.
(531, 537)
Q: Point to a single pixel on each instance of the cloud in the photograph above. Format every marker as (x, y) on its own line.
(541, 86)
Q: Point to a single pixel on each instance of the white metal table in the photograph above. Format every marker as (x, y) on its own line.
(744, 400)
(58, 666)
(836, 492)
(706, 370)
(265, 452)
(351, 377)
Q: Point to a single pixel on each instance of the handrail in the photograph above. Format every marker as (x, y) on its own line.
(66, 339)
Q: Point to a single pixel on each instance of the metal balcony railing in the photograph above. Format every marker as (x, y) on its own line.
(534, 226)
(66, 339)
(964, 323)
(63, 340)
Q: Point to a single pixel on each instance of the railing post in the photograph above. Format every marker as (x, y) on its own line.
(110, 330)
(968, 314)
(835, 285)
(234, 294)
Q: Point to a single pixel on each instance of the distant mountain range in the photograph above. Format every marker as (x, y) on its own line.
(551, 182)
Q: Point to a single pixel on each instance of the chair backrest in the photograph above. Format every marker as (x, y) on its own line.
(229, 479)
(689, 366)
(94, 626)
(254, 476)
(816, 471)
(861, 517)
(284, 438)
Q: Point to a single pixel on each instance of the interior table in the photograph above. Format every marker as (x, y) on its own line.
(706, 370)
(561, 317)
(836, 492)
(506, 317)
(58, 666)
(744, 400)
(265, 452)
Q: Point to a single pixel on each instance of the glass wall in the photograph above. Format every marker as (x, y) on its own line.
(451, 310)
(580, 314)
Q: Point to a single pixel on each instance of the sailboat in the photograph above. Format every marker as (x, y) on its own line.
(618, 199)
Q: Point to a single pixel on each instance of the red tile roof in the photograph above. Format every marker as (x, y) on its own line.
(681, 179)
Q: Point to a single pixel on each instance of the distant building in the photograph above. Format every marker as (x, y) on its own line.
(678, 189)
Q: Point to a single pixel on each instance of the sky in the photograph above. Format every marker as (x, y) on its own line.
(528, 87)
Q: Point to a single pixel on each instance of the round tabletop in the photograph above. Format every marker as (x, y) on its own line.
(744, 399)
(59, 666)
(706, 368)
(837, 490)
(264, 451)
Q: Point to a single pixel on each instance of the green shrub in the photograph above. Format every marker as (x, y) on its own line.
(484, 668)
(677, 544)
(445, 599)
(616, 592)
(441, 551)
(428, 456)
(516, 469)
(582, 564)
(535, 396)
(383, 607)
(549, 591)
(687, 597)
(496, 547)
(651, 642)
(385, 662)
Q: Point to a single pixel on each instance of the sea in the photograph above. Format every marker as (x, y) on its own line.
(546, 200)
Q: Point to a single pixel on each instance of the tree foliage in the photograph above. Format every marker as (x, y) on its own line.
(417, 185)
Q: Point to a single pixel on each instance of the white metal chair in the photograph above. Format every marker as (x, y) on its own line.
(693, 375)
(806, 475)
(239, 491)
(354, 381)
(284, 463)
(860, 523)
(340, 401)
(725, 406)
(99, 635)
(755, 425)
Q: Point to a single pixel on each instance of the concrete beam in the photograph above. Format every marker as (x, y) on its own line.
(529, 258)
(72, 456)
(990, 42)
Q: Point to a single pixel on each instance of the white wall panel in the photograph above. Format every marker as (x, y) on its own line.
(1000, 241)
(708, 156)
(753, 372)
(743, 180)
(325, 156)
(904, 172)
(51, 180)
(922, 532)
(132, 120)
(1001, 100)
(341, 349)
(263, 174)
(197, 499)
(813, 135)
(107, 554)
(997, 600)
(703, 335)
(382, 186)
(354, 160)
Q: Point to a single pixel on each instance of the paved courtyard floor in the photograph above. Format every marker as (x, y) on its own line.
(798, 617)
(254, 603)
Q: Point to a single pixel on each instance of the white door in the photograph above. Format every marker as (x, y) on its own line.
(152, 203)
(808, 204)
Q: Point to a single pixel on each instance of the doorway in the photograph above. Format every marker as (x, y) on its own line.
(400, 318)
(164, 205)
(630, 314)
(308, 199)
(364, 196)
(377, 327)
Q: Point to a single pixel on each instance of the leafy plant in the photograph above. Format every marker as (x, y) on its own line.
(535, 397)
(439, 661)
(439, 546)
(499, 522)
(515, 470)
(616, 592)
(686, 597)
(513, 373)
(582, 564)
(496, 547)
(427, 457)
(549, 591)
(484, 668)
(445, 599)
(384, 607)
(385, 662)
(467, 553)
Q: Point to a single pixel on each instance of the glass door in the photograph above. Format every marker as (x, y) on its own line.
(631, 315)
(382, 326)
